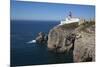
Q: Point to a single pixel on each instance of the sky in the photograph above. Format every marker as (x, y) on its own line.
(49, 11)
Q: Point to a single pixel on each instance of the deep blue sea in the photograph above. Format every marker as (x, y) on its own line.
(23, 53)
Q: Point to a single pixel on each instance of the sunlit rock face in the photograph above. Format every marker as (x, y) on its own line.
(61, 38)
(79, 41)
(84, 49)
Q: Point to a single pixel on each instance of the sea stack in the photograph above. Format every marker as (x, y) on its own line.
(41, 38)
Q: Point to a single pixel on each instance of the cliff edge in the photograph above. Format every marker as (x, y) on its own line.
(74, 39)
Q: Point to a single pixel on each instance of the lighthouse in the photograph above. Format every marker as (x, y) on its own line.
(69, 19)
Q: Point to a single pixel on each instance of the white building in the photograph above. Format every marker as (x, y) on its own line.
(69, 19)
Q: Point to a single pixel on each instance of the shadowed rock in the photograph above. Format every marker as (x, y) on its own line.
(41, 38)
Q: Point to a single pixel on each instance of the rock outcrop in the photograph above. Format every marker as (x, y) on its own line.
(74, 39)
(84, 49)
(61, 38)
(41, 38)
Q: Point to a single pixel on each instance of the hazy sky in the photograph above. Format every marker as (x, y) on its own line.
(48, 11)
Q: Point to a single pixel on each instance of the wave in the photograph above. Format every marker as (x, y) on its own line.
(32, 41)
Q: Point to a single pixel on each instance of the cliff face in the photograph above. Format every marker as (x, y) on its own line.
(61, 38)
(77, 40)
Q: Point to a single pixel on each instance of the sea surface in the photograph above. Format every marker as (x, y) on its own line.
(24, 53)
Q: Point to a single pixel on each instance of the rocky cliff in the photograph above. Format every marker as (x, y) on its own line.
(74, 39)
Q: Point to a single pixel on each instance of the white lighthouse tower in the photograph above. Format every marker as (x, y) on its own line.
(69, 19)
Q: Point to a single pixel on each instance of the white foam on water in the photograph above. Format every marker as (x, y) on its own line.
(33, 41)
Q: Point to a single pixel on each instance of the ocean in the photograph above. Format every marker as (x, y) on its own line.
(23, 53)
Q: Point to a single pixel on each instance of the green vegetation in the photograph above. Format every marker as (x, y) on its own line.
(70, 26)
(87, 25)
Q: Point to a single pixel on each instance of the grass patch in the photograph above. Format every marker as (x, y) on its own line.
(70, 25)
(85, 25)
